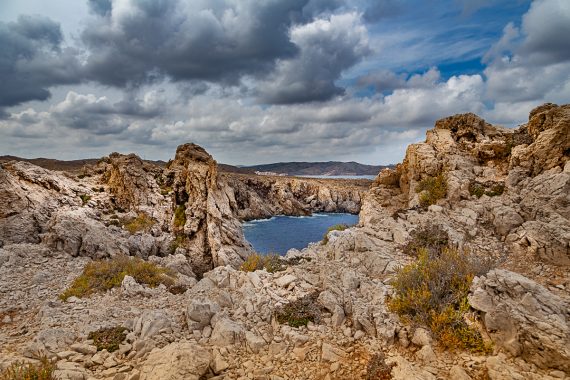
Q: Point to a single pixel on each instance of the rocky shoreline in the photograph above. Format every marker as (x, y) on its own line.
(507, 198)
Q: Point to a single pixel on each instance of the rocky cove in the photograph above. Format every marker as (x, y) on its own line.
(505, 197)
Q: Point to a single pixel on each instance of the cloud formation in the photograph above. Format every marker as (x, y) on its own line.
(277, 80)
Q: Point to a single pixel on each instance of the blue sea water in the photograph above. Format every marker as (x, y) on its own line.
(281, 233)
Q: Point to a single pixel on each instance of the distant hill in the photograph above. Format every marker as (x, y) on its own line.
(319, 168)
(61, 165)
(290, 168)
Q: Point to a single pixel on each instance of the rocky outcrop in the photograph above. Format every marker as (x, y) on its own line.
(524, 318)
(131, 181)
(176, 361)
(259, 197)
(515, 181)
(204, 211)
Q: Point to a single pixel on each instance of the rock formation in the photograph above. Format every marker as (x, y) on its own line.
(501, 194)
(259, 197)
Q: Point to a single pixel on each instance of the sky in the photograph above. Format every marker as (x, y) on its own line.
(267, 81)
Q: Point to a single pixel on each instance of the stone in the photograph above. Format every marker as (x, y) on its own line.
(85, 349)
(421, 337)
(285, 280)
(524, 318)
(226, 332)
(332, 353)
(458, 373)
(426, 355)
(176, 361)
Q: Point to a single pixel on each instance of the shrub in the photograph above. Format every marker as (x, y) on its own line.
(102, 275)
(85, 198)
(29, 371)
(180, 216)
(108, 338)
(432, 292)
(269, 262)
(142, 222)
(432, 237)
(478, 189)
(377, 369)
(432, 189)
(336, 227)
(300, 312)
(179, 241)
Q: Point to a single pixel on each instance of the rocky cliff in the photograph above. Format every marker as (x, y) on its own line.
(499, 194)
(259, 197)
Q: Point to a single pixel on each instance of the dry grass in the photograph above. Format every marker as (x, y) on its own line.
(270, 262)
(180, 216)
(108, 338)
(102, 275)
(336, 227)
(377, 369)
(432, 292)
(432, 189)
(142, 222)
(29, 371)
(433, 238)
(300, 312)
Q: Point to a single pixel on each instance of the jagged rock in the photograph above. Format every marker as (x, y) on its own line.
(214, 235)
(404, 370)
(226, 332)
(130, 180)
(176, 361)
(524, 318)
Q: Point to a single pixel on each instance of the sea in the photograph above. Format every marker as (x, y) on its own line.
(281, 233)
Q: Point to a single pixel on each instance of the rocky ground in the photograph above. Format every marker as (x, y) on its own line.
(507, 198)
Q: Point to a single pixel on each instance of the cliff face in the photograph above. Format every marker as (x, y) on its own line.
(212, 234)
(260, 197)
(522, 177)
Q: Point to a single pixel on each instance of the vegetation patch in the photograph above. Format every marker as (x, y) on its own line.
(29, 371)
(336, 227)
(432, 292)
(431, 190)
(108, 338)
(300, 312)
(492, 190)
(102, 275)
(180, 216)
(432, 238)
(142, 222)
(85, 198)
(179, 241)
(377, 369)
(270, 262)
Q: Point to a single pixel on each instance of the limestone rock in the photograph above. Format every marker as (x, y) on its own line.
(176, 361)
(524, 318)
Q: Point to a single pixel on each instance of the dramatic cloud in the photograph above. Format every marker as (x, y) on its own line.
(327, 47)
(217, 41)
(32, 60)
(276, 80)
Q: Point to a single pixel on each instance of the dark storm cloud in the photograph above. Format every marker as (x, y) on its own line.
(32, 60)
(100, 7)
(213, 41)
(327, 48)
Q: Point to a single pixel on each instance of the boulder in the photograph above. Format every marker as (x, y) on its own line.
(524, 318)
(176, 361)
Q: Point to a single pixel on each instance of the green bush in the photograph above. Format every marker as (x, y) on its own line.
(142, 222)
(431, 190)
(85, 198)
(432, 292)
(29, 371)
(432, 238)
(300, 312)
(336, 227)
(102, 275)
(494, 190)
(108, 338)
(270, 262)
(180, 216)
